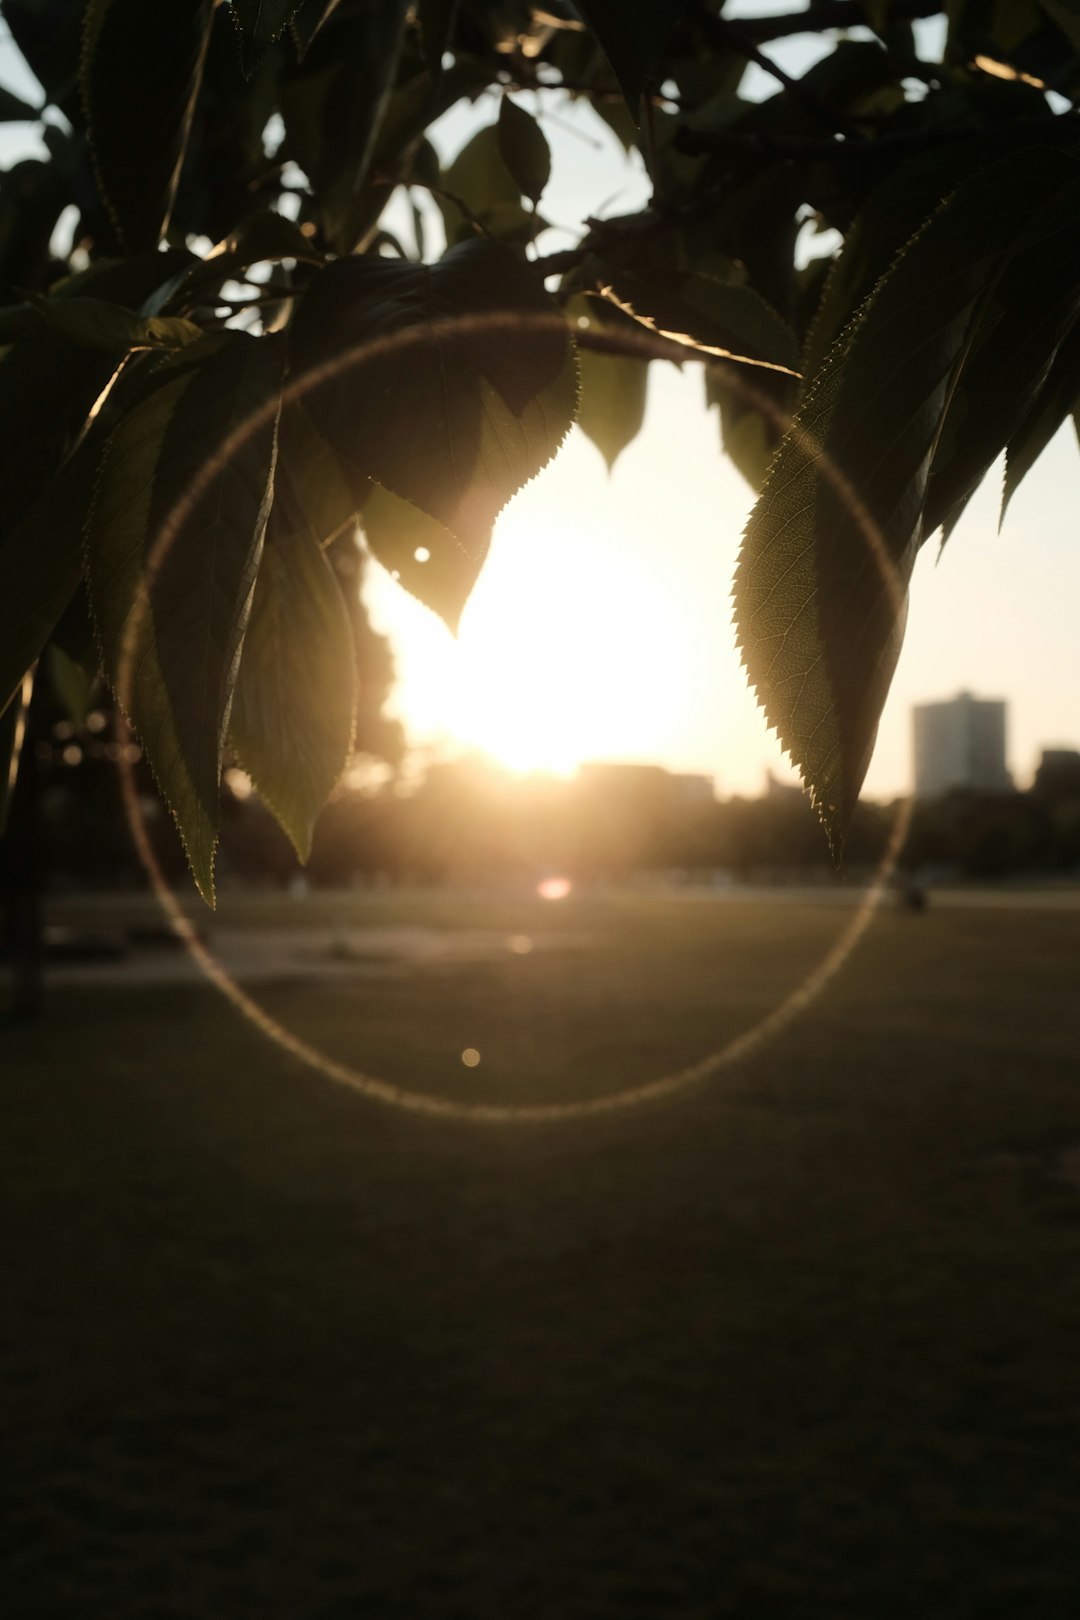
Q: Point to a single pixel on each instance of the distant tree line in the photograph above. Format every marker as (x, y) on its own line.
(467, 821)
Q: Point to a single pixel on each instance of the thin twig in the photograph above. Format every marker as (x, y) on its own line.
(741, 42)
(832, 14)
(810, 148)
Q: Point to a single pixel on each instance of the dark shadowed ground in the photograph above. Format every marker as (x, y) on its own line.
(804, 1342)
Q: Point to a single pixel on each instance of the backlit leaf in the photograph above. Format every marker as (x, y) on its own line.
(703, 312)
(491, 196)
(1030, 311)
(452, 384)
(94, 323)
(750, 432)
(329, 493)
(173, 544)
(890, 216)
(613, 391)
(820, 590)
(292, 718)
(420, 554)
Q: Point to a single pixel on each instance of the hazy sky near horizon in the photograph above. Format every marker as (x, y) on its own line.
(601, 625)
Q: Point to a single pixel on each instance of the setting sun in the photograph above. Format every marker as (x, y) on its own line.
(600, 626)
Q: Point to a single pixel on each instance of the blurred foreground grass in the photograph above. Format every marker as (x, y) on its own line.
(803, 1342)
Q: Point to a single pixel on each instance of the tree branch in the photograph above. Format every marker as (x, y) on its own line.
(832, 14)
(739, 40)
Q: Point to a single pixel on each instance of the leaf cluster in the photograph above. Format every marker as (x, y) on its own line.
(874, 266)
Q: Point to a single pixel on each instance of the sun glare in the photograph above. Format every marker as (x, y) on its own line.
(599, 628)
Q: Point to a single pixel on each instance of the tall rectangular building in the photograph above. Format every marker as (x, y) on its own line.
(960, 744)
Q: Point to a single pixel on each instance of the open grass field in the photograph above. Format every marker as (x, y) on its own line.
(804, 1342)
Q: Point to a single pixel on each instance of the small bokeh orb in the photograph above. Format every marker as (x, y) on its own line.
(470, 1057)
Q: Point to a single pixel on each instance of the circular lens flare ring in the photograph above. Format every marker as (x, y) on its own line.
(376, 1089)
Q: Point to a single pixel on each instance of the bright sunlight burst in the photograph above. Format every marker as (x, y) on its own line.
(599, 628)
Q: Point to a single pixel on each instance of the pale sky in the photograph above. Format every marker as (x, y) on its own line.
(601, 625)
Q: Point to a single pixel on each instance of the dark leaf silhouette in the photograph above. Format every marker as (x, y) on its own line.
(1055, 401)
(524, 149)
(141, 70)
(334, 107)
(632, 35)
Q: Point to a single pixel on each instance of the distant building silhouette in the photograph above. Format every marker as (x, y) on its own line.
(646, 783)
(784, 792)
(960, 744)
(1058, 775)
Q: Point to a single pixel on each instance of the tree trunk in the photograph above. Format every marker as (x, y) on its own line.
(21, 883)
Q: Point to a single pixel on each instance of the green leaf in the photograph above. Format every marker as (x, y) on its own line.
(140, 74)
(292, 719)
(632, 35)
(71, 687)
(1030, 311)
(524, 150)
(890, 216)
(135, 282)
(173, 544)
(73, 632)
(703, 312)
(93, 323)
(819, 608)
(491, 195)
(333, 108)
(451, 385)
(420, 554)
(401, 152)
(613, 111)
(613, 390)
(1054, 402)
(331, 495)
(750, 434)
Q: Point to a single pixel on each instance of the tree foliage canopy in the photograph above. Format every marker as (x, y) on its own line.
(227, 361)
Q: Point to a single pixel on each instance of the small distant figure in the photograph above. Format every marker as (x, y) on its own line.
(912, 894)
